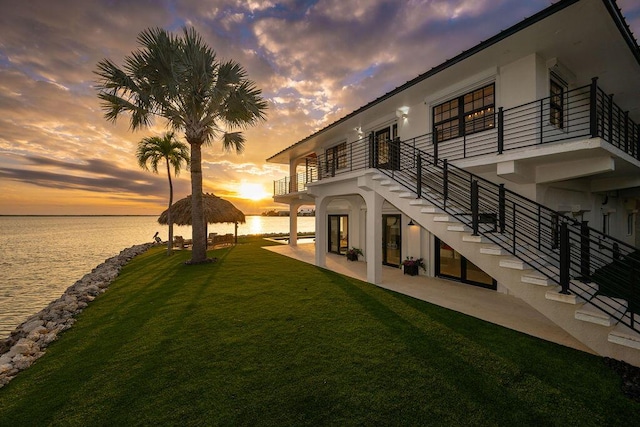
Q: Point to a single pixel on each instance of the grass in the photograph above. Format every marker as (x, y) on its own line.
(260, 339)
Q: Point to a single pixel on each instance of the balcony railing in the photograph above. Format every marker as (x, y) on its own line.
(586, 112)
(295, 183)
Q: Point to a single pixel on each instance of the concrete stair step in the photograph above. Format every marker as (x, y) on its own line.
(459, 228)
(475, 239)
(431, 210)
(407, 195)
(493, 250)
(535, 278)
(419, 202)
(396, 189)
(555, 295)
(386, 182)
(514, 263)
(591, 313)
(624, 335)
(378, 177)
(444, 218)
(578, 292)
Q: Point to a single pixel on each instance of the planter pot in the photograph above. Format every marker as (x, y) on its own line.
(411, 270)
(352, 257)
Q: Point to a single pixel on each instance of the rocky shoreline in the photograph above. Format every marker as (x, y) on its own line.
(28, 341)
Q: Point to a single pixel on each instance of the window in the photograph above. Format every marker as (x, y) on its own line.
(336, 158)
(470, 113)
(556, 104)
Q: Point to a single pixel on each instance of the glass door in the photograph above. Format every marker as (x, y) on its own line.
(450, 264)
(338, 234)
(391, 240)
(387, 148)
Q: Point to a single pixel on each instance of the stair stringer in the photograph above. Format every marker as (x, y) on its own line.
(592, 335)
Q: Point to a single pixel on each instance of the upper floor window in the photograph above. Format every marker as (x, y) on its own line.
(336, 158)
(469, 113)
(556, 104)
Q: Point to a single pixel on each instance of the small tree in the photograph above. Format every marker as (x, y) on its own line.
(151, 151)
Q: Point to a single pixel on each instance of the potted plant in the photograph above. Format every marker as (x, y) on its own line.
(411, 265)
(352, 254)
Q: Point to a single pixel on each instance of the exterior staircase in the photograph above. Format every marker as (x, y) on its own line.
(525, 268)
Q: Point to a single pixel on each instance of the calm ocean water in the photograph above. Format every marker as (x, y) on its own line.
(40, 257)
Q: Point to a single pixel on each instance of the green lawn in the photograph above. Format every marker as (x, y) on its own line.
(260, 339)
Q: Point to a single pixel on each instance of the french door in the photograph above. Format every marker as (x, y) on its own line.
(391, 240)
(386, 148)
(338, 234)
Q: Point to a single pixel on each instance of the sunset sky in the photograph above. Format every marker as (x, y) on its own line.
(315, 61)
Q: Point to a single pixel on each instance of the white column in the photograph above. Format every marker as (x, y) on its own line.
(354, 223)
(321, 231)
(374, 203)
(293, 223)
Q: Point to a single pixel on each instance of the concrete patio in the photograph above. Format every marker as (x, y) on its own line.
(491, 306)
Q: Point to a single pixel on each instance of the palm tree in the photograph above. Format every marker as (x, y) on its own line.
(180, 79)
(151, 151)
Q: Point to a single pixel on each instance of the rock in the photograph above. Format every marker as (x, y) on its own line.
(93, 290)
(22, 361)
(35, 334)
(48, 338)
(31, 325)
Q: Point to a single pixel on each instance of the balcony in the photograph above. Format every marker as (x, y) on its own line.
(585, 112)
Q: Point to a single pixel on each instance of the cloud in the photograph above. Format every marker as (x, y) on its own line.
(315, 61)
(95, 175)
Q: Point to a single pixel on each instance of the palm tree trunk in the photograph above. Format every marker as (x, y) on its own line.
(199, 249)
(169, 219)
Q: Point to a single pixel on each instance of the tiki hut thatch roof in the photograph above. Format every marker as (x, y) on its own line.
(216, 210)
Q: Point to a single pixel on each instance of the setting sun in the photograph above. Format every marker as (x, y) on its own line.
(252, 191)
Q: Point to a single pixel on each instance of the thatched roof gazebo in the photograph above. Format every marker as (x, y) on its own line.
(216, 210)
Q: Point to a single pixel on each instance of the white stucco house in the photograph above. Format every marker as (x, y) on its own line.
(513, 166)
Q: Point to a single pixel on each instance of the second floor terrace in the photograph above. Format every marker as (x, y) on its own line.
(586, 113)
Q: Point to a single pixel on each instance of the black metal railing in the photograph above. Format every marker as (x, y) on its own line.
(612, 124)
(585, 112)
(295, 183)
(565, 251)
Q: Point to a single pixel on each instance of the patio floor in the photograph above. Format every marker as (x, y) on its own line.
(491, 306)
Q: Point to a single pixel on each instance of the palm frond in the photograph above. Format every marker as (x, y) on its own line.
(233, 141)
